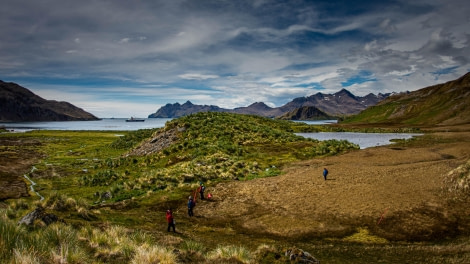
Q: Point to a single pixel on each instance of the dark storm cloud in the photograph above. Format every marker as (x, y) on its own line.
(230, 53)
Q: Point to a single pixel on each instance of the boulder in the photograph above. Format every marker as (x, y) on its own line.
(299, 256)
(38, 214)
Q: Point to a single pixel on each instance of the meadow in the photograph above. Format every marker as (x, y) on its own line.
(110, 190)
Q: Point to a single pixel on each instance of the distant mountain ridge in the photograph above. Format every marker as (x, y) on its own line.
(441, 104)
(18, 104)
(342, 103)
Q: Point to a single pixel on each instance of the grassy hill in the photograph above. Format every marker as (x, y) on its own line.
(110, 189)
(442, 104)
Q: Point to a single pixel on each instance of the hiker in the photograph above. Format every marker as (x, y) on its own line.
(202, 188)
(191, 205)
(170, 220)
(325, 173)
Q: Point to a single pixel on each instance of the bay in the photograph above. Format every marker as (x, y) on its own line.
(118, 124)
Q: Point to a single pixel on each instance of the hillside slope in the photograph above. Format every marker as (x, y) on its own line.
(306, 113)
(442, 104)
(18, 104)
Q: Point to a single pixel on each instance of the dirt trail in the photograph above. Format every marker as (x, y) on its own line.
(361, 186)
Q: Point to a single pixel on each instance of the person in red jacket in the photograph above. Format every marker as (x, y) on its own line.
(170, 220)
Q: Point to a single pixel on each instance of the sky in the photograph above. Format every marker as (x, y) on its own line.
(122, 58)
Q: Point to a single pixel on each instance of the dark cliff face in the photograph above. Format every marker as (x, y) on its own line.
(18, 104)
(306, 113)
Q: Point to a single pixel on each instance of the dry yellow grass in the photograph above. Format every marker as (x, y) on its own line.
(401, 185)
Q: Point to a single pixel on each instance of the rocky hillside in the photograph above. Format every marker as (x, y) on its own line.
(306, 113)
(19, 104)
(178, 110)
(339, 104)
(442, 104)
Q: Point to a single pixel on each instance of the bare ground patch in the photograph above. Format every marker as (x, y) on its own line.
(400, 185)
(16, 158)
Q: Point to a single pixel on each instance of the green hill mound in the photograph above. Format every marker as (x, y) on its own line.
(206, 146)
(442, 104)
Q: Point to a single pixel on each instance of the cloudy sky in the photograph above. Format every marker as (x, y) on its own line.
(121, 58)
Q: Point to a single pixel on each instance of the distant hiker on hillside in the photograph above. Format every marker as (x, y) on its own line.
(191, 205)
(201, 190)
(170, 220)
(325, 173)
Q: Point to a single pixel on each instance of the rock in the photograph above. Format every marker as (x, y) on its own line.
(106, 195)
(32, 216)
(49, 218)
(300, 256)
(36, 214)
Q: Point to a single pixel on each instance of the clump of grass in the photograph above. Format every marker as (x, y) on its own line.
(11, 235)
(457, 182)
(363, 236)
(25, 256)
(192, 247)
(19, 204)
(225, 253)
(267, 254)
(56, 243)
(153, 254)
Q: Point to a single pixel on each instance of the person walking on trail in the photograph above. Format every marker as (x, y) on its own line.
(170, 220)
(325, 173)
(191, 205)
(202, 188)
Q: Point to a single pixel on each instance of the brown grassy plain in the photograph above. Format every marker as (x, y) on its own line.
(397, 193)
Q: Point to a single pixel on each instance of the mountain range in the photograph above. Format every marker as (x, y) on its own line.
(441, 104)
(18, 104)
(342, 103)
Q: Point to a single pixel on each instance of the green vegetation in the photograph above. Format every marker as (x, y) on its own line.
(211, 147)
(81, 171)
(108, 201)
(442, 104)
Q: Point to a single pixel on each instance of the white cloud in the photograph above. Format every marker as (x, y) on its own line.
(197, 76)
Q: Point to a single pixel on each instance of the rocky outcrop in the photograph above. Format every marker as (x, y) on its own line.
(177, 110)
(158, 142)
(297, 255)
(38, 214)
(18, 104)
(306, 113)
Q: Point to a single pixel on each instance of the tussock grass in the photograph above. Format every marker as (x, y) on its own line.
(153, 254)
(363, 236)
(225, 253)
(25, 256)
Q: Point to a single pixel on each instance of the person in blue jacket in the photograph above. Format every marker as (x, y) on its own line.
(191, 205)
(325, 173)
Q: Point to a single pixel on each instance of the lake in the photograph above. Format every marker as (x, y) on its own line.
(364, 140)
